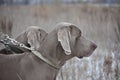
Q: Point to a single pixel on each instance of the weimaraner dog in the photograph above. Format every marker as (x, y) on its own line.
(60, 45)
(31, 37)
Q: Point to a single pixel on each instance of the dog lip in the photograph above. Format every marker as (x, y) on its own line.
(81, 57)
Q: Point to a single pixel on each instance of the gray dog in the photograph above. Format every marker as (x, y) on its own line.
(60, 45)
(31, 37)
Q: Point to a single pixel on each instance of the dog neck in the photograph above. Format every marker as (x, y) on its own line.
(52, 50)
(39, 55)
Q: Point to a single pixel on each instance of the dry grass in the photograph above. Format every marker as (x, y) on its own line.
(100, 24)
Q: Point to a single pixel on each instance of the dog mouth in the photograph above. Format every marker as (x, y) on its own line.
(80, 57)
(88, 53)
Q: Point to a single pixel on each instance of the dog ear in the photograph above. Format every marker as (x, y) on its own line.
(34, 39)
(64, 39)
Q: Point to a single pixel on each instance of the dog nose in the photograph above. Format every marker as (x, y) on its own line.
(93, 46)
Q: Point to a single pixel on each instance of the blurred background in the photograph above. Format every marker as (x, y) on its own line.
(99, 21)
(33, 2)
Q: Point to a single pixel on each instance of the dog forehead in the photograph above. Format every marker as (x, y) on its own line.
(64, 24)
(69, 27)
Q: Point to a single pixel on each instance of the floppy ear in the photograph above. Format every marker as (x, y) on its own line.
(64, 39)
(34, 39)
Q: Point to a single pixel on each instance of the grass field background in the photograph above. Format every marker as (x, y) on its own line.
(98, 23)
